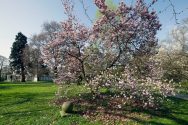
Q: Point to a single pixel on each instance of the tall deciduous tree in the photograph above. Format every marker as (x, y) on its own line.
(38, 41)
(110, 4)
(121, 34)
(174, 55)
(3, 61)
(102, 55)
(17, 56)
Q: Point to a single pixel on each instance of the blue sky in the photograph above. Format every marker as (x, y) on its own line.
(27, 16)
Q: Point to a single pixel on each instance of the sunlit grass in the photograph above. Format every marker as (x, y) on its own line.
(30, 104)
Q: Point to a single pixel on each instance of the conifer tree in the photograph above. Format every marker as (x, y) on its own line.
(17, 55)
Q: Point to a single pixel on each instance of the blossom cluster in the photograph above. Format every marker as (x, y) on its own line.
(103, 54)
(128, 26)
(65, 53)
(126, 84)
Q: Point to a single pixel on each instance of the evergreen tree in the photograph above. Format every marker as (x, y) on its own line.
(17, 55)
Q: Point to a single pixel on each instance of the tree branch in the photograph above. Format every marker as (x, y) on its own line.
(85, 11)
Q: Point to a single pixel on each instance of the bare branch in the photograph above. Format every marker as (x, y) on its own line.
(174, 11)
(165, 9)
(85, 11)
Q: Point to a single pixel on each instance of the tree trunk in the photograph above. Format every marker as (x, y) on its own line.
(1, 68)
(0, 75)
(23, 74)
(83, 71)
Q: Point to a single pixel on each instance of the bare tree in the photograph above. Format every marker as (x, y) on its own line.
(174, 56)
(37, 42)
(179, 35)
(3, 63)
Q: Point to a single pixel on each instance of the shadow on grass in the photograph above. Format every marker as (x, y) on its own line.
(25, 105)
(23, 99)
(172, 111)
(4, 87)
(102, 104)
(25, 113)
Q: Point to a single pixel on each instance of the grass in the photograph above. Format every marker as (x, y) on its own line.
(29, 104)
(184, 88)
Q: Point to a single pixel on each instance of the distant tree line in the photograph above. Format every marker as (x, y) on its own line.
(3, 67)
(173, 53)
(26, 54)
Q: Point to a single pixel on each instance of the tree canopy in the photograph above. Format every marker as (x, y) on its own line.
(16, 56)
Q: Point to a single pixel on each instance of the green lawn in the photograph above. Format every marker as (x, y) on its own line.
(30, 104)
(184, 88)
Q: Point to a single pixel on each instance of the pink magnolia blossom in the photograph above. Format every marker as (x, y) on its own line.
(104, 54)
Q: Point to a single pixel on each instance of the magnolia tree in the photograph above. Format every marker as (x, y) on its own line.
(70, 44)
(39, 41)
(105, 54)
